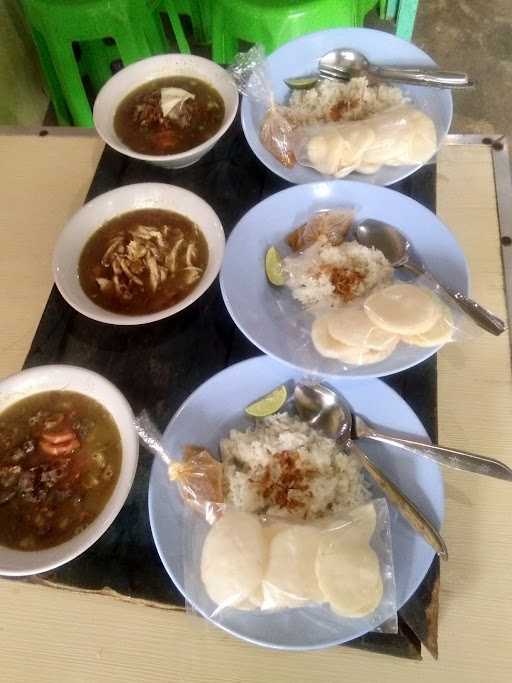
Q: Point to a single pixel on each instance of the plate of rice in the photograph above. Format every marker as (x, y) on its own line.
(288, 322)
(403, 125)
(251, 452)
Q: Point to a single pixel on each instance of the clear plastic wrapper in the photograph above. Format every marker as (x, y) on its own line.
(399, 136)
(251, 77)
(198, 475)
(332, 570)
(248, 71)
(332, 224)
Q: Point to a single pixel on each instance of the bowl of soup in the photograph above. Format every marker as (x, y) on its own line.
(169, 110)
(68, 456)
(138, 254)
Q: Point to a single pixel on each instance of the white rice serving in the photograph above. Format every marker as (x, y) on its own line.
(282, 466)
(349, 101)
(310, 273)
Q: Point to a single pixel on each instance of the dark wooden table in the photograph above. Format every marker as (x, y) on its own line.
(156, 366)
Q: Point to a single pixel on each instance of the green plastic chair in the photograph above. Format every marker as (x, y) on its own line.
(272, 23)
(58, 24)
(403, 12)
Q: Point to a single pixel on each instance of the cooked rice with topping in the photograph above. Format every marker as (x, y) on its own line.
(334, 275)
(282, 466)
(330, 101)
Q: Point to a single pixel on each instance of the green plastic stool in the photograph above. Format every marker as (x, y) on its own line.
(272, 23)
(198, 11)
(96, 61)
(406, 18)
(173, 8)
(53, 89)
(205, 10)
(57, 24)
(403, 12)
(363, 7)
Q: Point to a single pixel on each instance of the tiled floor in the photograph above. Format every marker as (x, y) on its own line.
(473, 36)
(476, 36)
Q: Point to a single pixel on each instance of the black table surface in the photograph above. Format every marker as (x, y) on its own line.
(158, 365)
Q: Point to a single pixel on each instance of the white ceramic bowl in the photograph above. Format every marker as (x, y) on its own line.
(98, 211)
(135, 75)
(70, 378)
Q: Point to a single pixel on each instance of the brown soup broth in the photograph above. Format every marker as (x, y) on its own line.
(60, 458)
(140, 124)
(163, 254)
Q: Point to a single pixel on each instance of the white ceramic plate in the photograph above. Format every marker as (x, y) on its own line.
(135, 75)
(98, 211)
(208, 415)
(273, 320)
(301, 56)
(70, 378)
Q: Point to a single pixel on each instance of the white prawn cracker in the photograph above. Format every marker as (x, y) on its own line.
(330, 347)
(348, 573)
(172, 98)
(233, 558)
(440, 333)
(403, 309)
(290, 579)
(323, 341)
(350, 325)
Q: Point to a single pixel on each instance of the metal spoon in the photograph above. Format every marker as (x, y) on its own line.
(351, 63)
(326, 398)
(397, 249)
(346, 63)
(323, 409)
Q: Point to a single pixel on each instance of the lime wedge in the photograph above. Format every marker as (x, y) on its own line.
(302, 83)
(268, 404)
(274, 267)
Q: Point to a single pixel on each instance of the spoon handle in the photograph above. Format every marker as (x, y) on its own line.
(433, 77)
(404, 505)
(457, 460)
(480, 315)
